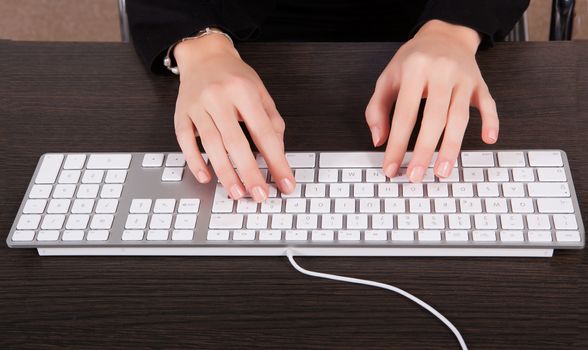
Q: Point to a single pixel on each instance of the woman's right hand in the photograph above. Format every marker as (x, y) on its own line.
(217, 91)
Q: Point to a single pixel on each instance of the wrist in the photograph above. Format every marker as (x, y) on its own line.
(466, 36)
(194, 51)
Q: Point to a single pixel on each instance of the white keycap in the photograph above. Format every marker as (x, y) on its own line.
(157, 235)
(307, 221)
(511, 221)
(175, 160)
(28, 222)
(453, 177)
(376, 235)
(363, 190)
(459, 221)
(513, 189)
(136, 221)
(116, 176)
(456, 236)
(388, 190)
(565, 222)
(218, 235)
(282, 221)
(111, 191)
(402, 235)
(189, 205)
(473, 174)
(351, 159)
(40, 191)
(487, 222)
(477, 159)
(523, 175)
(152, 160)
(567, 236)
(339, 190)
(49, 169)
(77, 221)
(296, 235)
(497, 174)
(304, 175)
(222, 204)
(332, 221)
(383, 221)
(109, 161)
(375, 175)
(53, 222)
(106, 206)
(551, 174)
(88, 191)
(295, 205)
(182, 235)
(295, 194)
(140, 206)
(433, 221)
(69, 176)
(394, 205)
(243, 235)
(34, 206)
(419, 205)
(344, 205)
(48, 235)
(357, 221)
(58, 206)
(23, 236)
(408, 221)
(484, 236)
(351, 175)
(511, 159)
(497, 205)
(257, 221)
(72, 235)
(348, 235)
(271, 205)
(172, 174)
(470, 205)
(538, 222)
(295, 160)
(522, 205)
(551, 189)
(429, 235)
(74, 161)
(328, 175)
(462, 190)
(555, 205)
(437, 190)
(369, 205)
(320, 205)
(487, 189)
(539, 236)
(322, 235)
(270, 235)
(166, 205)
(92, 176)
(246, 205)
(512, 236)
(315, 190)
(160, 221)
(401, 176)
(101, 221)
(97, 235)
(445, 205)
(132, 235)
(64, 191)
(226, 221)
(412, 190)
(545, 158)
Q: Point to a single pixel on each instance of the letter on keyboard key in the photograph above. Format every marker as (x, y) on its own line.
(226, 221)
(49, 169)
(477, 159)
(545, 158)
(109, 161)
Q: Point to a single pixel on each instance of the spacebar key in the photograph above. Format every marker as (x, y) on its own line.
(226, 221)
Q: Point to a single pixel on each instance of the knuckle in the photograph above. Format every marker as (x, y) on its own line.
(211, 92)
(239, 84)
(279, 124)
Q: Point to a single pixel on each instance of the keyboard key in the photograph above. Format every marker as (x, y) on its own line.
(437, 190)
(307, 221)
(23, 236)
(497, 175)
(538, 222)
(387, 190)
(304, 175)
(497, 205)
(513, 190)
(152, 160)
(539, 236)
(270, 235)
(395, 205)
(473, 175)
(88, 191)
(282, 221)
(523, 175)
(109, 161)
(551, 174)
(555, 205)
(357, 221)
(111, 191)
(295, 194)
(106, 206)
(49, 169)
(34, 206)
(369, 205)
(93, 176)
(182, 235)
(456, 236)
(322, 236)
(40, 191)
(64, 191)
(226, 221)
(477, 159)
(412, 190)
(164, 205)
(320, 205)
(218, 235)
(315, 190)
(375, 175)
(445, 205)
(363, 190)
(271, 205)
(246, 205)
(175, 160)
(402, 235)
(339, 190)
(53, 222)
(459, 221)
(243, 235)
(48, 235)
(487, 189)
(257, 221)
(295, 160)
(157, 235)
(408, 221)
(101, 221)
(429, 236)
(487, 222)
(511, 221)
(77, 221)
(328, 175)
(172, 174)
(555, 189)
(189, 205)
(295, 205)
(433, 221)
(512, 236)
(484, 236)
(383, 221)
(565, 222)
(69, 176)
(376, 235)
(74, 161)
(116, 176)
(160, 221)
(567, 236)
(140, 206)
(351, 175)
(132, 235)
(462, 190)
(332, 221)
(470, 205)
(545, 158)
(28, 222)
(136, 221)
(296, 235)
(72, 235)
(97, 235)
(511, 159)
(348, 235)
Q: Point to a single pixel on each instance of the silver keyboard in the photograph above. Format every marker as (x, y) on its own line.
(495, 203)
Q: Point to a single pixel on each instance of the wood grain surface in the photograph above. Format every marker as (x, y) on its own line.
(70, 97)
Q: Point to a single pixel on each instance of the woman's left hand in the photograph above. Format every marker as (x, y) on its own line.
(438, 64)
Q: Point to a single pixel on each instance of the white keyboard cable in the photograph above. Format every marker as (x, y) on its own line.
(290, 254)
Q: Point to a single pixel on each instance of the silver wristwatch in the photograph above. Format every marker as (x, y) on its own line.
(167, 62)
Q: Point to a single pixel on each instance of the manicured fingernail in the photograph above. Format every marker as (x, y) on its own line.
(376, 135)
(237, 192)
(443, 169)
(416, 174)
(391, 170)
(286, 185)
(493, 135)
(201, 176)
(258, 194)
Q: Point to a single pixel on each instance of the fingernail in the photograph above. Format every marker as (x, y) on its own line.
(376, 132)
(201, 176)
(286, 185)
(443, 169)
(416, 174)
(391, 170)
(237, 192)
(493, 135)
(258, 194)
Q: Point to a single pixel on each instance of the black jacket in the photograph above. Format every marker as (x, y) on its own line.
(157, 24)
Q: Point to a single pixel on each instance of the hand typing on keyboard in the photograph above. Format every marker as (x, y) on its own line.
(217, 91)
(437, 64)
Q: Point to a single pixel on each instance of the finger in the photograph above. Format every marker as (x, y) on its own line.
(274, 115)
(457, 122)
(405, 114)
(487, 107)
(262, 130)
(187, 141)
(225, 117)
(434, 119)
(377, 112)
(213, 145)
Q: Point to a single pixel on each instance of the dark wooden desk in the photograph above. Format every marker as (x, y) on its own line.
(97, 97)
